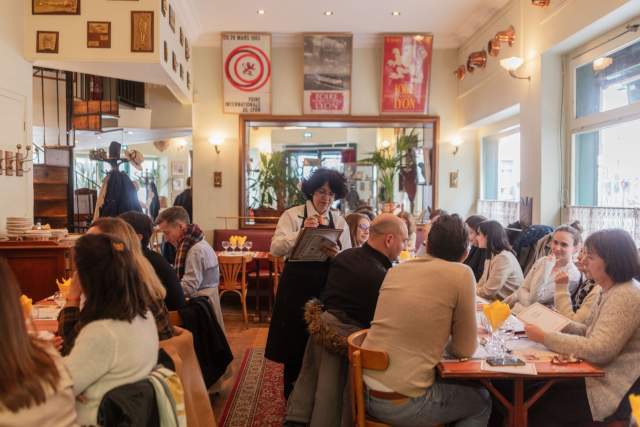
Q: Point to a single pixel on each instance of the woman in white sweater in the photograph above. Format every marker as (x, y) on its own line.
(610, 339)
(502, 274)
(118, 340)
(539, 285)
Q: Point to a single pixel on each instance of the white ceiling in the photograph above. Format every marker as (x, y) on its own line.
(86, 140)
(451, 21)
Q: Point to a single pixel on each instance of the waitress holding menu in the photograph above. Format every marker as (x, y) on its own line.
(302, 281)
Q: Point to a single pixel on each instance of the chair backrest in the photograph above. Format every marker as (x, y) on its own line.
(278, 265)
(233, 270)
(174, 318)
(359, 359)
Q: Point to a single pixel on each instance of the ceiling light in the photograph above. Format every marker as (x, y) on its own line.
(260, 11)
(328, 13)
(395, 13)
(130, 132)
(602, 63)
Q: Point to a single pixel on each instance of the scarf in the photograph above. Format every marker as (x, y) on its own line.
(580, 294)
(192, 235)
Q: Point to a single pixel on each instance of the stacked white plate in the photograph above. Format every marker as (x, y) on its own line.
(37, 235)
(16, 226)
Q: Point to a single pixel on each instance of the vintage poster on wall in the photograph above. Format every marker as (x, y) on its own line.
(327, 73)
(406, 72)
(246, 72)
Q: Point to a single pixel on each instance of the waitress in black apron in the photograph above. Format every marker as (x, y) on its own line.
(302, 281)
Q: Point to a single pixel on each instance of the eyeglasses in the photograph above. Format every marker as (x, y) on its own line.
(324, 193)
(363, 227)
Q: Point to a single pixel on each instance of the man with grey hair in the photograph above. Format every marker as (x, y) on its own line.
(349, 299)
(196, 263)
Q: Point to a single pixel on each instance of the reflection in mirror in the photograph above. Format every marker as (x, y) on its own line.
(388, 166)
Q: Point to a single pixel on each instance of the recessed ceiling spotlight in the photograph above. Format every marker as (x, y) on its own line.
(328, 13)
(260, 11)
(395, 13)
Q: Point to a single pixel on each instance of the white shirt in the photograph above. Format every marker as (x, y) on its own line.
(290, 224)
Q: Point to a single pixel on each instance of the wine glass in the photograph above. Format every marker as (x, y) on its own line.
(234, 245)
(59, 299)
(248, 245)
(226, 245)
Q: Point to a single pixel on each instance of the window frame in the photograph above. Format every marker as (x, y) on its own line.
(505, 131)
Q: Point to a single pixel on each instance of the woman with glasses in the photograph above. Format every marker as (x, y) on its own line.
(358, 229)
(302, 281)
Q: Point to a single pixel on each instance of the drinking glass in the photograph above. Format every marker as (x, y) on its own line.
(234, 245)
(248, 244)
(226, 245)
(59, 299)
(495, 345)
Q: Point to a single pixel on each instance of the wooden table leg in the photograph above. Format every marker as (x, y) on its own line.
(258, 290)
(519, 414)
(518, 411)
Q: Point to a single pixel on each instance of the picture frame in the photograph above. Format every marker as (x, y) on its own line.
(172, 18)
(178, 168)
(98, 34)
(181, 37)
(188, 80)
(142, 32)
(181, 72)
(55, 7)
(178, 184)
(174, 61)
(164, 7)
(165, 51)
(187, 49)
(47, 41)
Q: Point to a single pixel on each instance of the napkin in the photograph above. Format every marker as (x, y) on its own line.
(404, 255)
(497, 313)
(63, 286)
(27, 305)
(634, 400)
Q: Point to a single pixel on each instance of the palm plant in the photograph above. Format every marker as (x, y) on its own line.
(276, 183)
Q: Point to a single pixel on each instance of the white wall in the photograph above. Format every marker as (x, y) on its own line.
(16, 106)
(208, 120)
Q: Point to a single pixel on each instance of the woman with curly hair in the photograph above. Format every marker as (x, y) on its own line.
(302, 281)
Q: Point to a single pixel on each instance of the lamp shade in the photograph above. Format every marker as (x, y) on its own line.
(511, 64)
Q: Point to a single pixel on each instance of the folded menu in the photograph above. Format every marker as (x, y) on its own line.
(308, 246)
(544, 318)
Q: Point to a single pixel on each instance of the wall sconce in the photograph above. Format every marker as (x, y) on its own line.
(511, 65)
(541, 3)
(477, 60)
(216, 141)
(507, 36)
(460, 72)
(456, 142)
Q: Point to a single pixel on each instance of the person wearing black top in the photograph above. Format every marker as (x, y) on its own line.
(143, 226)
(477, 256)
(185, 200)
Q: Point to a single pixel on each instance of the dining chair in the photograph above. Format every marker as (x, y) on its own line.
(278, 265)
(233, 272)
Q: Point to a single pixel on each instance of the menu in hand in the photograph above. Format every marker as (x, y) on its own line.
(544, 318)
(310, 241)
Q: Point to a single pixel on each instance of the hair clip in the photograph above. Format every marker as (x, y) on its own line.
(118, 246)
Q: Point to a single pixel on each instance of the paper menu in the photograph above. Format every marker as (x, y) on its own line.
(310, 241)
(526, 369)
(544, 318)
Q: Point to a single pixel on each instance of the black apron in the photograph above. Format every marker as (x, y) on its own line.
(299, 282)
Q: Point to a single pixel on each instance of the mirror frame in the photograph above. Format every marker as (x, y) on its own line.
(340, 121)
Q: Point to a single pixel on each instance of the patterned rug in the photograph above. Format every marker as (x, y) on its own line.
(256, 399)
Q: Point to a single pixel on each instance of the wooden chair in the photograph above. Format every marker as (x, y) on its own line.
(174, 318)
(278, 265)
(233, 272)
(359, 359)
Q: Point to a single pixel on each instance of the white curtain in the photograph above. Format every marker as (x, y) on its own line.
(502, 211)
(594, 219)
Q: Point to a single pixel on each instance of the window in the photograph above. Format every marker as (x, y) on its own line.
(501, 167)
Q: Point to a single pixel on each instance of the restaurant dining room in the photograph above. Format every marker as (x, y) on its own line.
(277, 213)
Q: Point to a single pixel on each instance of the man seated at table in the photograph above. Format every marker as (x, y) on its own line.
(426, 305)
(196, 263)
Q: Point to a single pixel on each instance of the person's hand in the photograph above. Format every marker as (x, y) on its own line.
(311, 222)
(57, 342)
(561, 280)
(330, 250)
(534, 333)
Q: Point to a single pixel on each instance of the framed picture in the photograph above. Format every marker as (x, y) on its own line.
(172, 18)
(188, 80)
(327, 73)
(165, 52)
(55, 7)
(98, 34)
(174, 61)
(187, 50)
(246, 71)
(164, 7)
(177, 168)
(181, 72)
(47, 41)
(181, 37)
(406, 73)
(141, 31)
(178, 184)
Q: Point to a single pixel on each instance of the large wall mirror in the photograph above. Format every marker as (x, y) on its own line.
(389, 162)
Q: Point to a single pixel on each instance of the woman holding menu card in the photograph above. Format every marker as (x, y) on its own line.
(610, 339)
(303, 280)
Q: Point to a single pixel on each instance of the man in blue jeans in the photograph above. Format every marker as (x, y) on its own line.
(427, 306)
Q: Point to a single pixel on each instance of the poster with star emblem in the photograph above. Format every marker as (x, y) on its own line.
(246, 72)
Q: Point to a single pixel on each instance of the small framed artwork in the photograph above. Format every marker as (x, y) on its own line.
(187, 50)
(178, 184)
(47, 41)
(177, 168)
(164, 7)
(453, 179)
(188, 80)
(141, 31)
(166, 52)
(98, 34)
(174, 61)
(172, 18)
(181, 37)
(55, 7)
(217, 179)
(181, 72)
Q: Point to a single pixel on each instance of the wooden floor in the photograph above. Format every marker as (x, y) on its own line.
(240, 338)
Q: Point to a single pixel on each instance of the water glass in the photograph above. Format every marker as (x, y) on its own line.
(59, 299)
(226, 245)
(248, 244)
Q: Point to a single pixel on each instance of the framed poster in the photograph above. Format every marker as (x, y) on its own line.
(178, 184)
(47, 41)
(98, 34)
(172, 18)
(246, 70)
(141, 31)
(174, 61)
(327, 73)
(406, 73)
(55, 7)
(177, 167)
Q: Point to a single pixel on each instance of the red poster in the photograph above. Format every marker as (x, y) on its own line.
(406, 72)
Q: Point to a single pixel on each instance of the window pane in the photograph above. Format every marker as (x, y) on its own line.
(501, 167)
(609, 82)
(606, 166)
